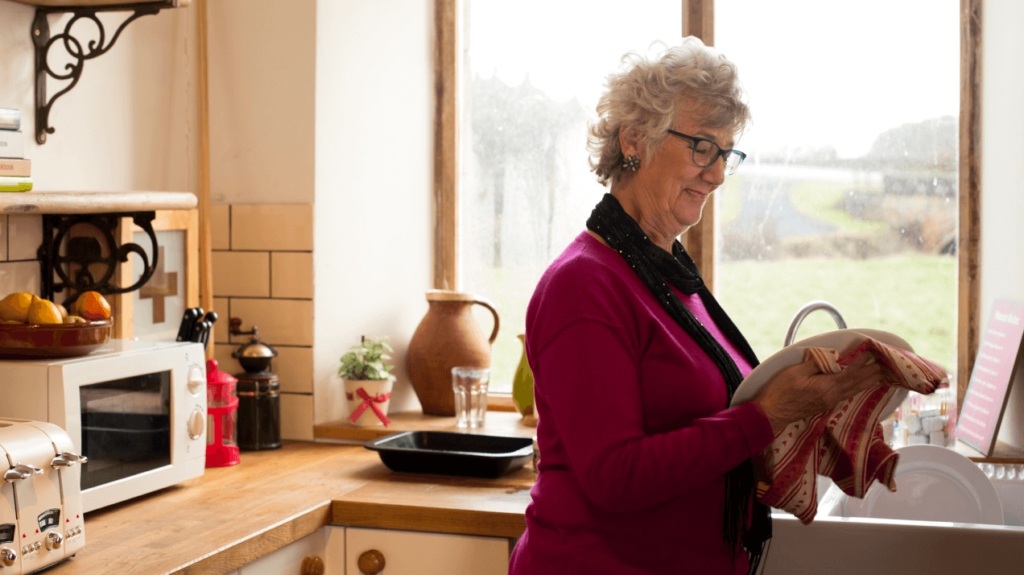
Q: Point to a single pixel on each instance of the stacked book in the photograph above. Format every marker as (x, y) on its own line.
(15, 170)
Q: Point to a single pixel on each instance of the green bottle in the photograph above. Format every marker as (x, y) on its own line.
(522, 387)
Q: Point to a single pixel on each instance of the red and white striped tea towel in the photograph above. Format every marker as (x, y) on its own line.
(844, 443)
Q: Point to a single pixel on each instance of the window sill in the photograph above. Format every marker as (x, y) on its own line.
(508, 423)
(500, 402)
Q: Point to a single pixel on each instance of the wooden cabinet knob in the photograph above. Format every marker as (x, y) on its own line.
(371, 562)
(312, 566)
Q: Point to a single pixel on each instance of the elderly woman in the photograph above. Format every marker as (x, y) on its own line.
(644, 467)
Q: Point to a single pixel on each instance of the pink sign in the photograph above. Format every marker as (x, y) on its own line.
(990, 380)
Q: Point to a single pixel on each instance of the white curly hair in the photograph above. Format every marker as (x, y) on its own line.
(648, 94)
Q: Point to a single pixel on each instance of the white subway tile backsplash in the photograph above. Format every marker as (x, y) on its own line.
(222, 353)
(220, 227)
(25, 233)
(291, 275)
(222, 329)
(245, 274)
(283, 227)
(296, 416)
(280, 321)
(263, 274)
(294, 366)
(19, 277)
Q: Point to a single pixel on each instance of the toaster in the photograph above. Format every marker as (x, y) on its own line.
(41, 519)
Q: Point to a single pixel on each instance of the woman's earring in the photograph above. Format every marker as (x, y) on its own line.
(631, 163)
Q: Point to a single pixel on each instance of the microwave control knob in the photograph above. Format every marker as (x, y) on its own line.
(196, 380)
(196, 423)
(8, 556)
(53, 540)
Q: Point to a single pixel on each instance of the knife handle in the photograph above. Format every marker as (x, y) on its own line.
(188, 320)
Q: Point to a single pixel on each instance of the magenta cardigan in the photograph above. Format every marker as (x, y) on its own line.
(635, 437)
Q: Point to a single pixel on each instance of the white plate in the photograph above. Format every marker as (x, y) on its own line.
(933, 484)
(840, 340)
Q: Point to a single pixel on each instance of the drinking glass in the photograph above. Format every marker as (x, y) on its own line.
(470, 387)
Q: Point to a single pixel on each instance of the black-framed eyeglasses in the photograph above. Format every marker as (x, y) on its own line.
(706, 153)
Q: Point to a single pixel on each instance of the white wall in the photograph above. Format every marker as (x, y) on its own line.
(262, 58)
(129, 124)
(373, 221)
(316, 101)
(1002, 176)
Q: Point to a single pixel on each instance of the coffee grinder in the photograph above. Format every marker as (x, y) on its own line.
(259, 399)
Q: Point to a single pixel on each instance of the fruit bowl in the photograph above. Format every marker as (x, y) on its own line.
(33, 341)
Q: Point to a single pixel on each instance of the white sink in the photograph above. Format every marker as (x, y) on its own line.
(846, 546)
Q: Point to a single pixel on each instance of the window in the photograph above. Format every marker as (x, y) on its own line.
(863, 206)
(849, 192)
(525, 187)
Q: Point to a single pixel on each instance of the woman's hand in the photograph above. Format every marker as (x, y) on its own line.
(802, 390)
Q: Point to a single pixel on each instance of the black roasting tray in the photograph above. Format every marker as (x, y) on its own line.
(448, 453)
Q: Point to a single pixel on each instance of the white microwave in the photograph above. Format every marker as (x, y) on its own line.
(136, 409)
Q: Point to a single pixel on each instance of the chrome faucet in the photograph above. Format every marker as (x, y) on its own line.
(805, 311)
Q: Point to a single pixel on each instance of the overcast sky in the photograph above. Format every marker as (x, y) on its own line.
(816, 72)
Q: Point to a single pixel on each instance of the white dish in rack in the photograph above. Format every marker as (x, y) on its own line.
(933, 484)
(841, 340)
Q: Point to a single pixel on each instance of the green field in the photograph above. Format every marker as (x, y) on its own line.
(913, 296)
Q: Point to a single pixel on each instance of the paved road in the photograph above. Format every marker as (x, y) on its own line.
(764, 204)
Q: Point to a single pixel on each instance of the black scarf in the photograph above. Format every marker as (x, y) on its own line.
(655, 267)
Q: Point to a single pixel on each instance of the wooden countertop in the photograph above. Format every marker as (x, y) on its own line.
(94, 202)
(231, 516)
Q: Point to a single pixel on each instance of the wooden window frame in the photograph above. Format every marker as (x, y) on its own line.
(698, 20)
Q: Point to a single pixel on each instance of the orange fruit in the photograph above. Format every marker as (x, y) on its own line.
(43, 311)
(15, 307)
(92, 306)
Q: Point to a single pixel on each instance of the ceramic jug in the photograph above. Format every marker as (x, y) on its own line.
(448, 336)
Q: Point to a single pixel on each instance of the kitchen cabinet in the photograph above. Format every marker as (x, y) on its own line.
(404, 553)
(327, 543)
(418, 553)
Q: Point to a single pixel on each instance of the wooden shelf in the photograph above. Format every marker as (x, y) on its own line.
(94, 202)
(495, 423)
(94, 3)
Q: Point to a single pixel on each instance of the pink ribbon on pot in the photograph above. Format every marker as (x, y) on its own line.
(370, 402)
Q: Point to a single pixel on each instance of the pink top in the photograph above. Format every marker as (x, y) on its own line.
(635, 438)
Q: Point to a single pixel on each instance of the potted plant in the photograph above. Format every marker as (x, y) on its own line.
(368, 381)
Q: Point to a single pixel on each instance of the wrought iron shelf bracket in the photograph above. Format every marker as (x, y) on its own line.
(76, 267)
(79, 54)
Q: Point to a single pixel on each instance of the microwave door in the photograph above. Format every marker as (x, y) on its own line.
(125, 427)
